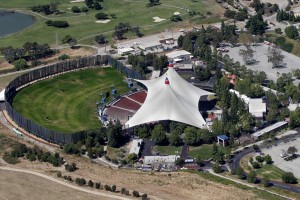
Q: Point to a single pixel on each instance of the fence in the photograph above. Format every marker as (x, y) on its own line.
(50, 70)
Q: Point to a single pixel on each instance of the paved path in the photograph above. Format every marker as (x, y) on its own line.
(103, 194)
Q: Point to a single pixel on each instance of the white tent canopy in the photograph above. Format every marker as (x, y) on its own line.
(176, 101)
(2, 95)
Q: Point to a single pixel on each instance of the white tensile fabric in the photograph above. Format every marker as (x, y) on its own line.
(176, 101)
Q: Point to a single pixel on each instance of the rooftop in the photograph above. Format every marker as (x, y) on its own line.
(176, 54)
(160, 159)
(269, 129)
(2, 95)
(150, 44)
(257, 107)
(135, 146)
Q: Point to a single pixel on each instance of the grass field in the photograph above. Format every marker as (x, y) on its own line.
(134, 12)
(272, 171)
(204, 151)
(74, 109)
(168, 150)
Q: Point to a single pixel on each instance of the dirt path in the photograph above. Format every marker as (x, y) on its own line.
(65, 184)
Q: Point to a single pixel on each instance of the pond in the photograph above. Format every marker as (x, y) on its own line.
(12, 22)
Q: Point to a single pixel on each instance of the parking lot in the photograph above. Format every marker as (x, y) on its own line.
(290, 61)
(275, 150)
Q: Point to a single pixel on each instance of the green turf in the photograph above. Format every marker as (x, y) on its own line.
(134, 12)
(74, 109)
(272, 171)
(168, 150)
(204, 151)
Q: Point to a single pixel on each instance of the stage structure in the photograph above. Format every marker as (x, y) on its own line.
(170, 97)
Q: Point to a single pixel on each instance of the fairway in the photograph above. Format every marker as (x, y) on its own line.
(83, 26)
(67, 103)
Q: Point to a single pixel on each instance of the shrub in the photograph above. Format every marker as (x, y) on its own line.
(20, 64)
(100, 16)
(145, 197)
(217, 168)
(97, 6)
(123, 191)
(63, 57)
(268, 159)
(266, 181)
(91, 183)
(97, 185)
(58, 174)
(251, 178)
(57, 24)
(241, 174)
(259, 159)
(75, 9)
(176, 18)
(84, 9)
(135, 194)
(288, 177)
(107, 187)
(255, 165)
(113, 188)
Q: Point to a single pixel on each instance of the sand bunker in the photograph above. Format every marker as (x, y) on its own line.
(77, 1)
(176, 13)
(102, 21)
(158, 19)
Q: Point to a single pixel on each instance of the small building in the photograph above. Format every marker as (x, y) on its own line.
(150, 160)
(151, 46)
(178, 56)
(223, 138)
(136, 146)
(274, 127)
(125, 50)
(293, 107)
(2, 100)
(257, 108)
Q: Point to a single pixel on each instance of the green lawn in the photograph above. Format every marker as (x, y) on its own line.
(272, 171)
(204, 151)
(74, 109)
(168, 150)
(134, 12)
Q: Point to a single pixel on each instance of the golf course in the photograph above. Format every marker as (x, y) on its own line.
(83, 25)
(67, 103)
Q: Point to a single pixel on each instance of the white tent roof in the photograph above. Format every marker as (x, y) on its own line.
(2, 95)
(176, 101)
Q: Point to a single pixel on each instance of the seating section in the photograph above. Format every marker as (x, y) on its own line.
(139, 97)
(125, 107)
(114, 113)
(127, 104)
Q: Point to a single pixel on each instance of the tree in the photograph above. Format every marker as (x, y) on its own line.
(255, 147)
(97, 6)
(90, 183)
(275, 56)
(259, 159)
(114, 134)
(217, 168)
(100, 39)
(153, 2)
(120, 30)
(174, 138)
(142, 132)
(247, 54)
(292, 150)
(158, 135)
(268, 159)
(123, 191)
(75, 9)
(144, 196)
(97, 185)
(265, 181)
(288, 177)
(179, 162)
(256, 24)
(240, 173)
(291, 32)
(101, 16)
(191, 136)
(20, 64)
(255, 165)
(113, 188)
(180, 41)
(135, 193)
(84, 9)
(251, 178)
(89, 3)
(58, 174)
